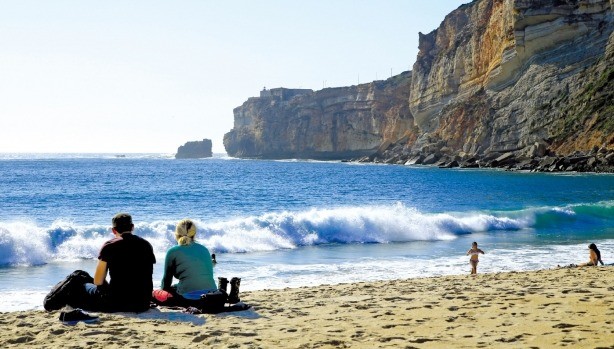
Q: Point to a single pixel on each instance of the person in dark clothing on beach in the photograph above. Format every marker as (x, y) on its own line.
(129, 260)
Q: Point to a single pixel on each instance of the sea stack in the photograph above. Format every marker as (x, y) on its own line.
(195, 150)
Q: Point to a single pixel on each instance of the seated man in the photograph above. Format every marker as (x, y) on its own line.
(129, 260)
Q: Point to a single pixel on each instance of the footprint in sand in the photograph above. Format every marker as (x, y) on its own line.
(388, 339)
(358, 334)
(334, 343)
(199, 338)
(564, 325)
(422, 340)
(95, 333)
(21, 340)
(245, 334)
(510, 340)
(57, 332)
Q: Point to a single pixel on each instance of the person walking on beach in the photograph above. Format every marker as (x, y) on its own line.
(473, 260)
(129, 260)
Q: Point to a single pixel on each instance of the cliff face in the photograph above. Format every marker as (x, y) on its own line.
(526, 77)
(502, 75)
(333, 123)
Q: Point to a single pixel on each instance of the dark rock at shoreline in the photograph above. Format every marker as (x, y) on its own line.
(597, 160)
(195, 150)
(430, 159)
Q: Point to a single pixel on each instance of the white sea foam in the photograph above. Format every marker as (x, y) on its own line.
(25, 243)
(22, 300)
(314, 266)
(518, 258)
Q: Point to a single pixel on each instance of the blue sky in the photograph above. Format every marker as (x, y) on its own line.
(147, 76)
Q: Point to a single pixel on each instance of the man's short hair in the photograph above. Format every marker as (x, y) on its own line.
(122, 222)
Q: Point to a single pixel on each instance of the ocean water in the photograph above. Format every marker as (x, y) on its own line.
(293, 223)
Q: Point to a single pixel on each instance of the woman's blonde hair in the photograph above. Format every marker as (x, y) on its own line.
(185, 232)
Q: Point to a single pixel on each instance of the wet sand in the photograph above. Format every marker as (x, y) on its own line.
(543, 309)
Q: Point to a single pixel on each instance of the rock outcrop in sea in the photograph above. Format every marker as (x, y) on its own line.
(515, 84)
(195, 150)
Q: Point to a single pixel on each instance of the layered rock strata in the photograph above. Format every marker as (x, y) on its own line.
(333, 123)
(504, 83)
(501, 75)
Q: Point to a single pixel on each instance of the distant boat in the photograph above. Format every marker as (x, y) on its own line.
(120, 156)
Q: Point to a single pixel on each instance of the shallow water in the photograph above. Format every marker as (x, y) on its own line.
(293, 223)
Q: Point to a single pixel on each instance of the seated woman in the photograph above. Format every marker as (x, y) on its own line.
(594, 256)
(189, 262)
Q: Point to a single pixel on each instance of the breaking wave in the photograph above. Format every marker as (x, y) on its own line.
(25, 243)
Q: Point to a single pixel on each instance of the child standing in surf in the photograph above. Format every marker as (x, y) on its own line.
(473, 260)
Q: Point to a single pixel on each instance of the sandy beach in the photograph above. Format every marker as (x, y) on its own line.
(542, 309)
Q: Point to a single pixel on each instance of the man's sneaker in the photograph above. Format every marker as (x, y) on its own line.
(71, 317)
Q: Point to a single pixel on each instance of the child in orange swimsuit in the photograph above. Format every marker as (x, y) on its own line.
(473, 260)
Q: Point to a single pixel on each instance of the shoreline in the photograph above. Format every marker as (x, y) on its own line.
(597, 160)
(543, 308)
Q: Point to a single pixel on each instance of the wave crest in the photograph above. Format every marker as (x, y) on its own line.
(24, 243)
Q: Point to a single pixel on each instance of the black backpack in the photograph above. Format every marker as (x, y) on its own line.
(67, 290)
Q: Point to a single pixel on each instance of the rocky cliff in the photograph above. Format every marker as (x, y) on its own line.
(502, 75)
(526, 79)
(333, 123)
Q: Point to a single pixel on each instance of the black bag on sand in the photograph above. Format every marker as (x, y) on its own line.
(66, 290)
(213, 302)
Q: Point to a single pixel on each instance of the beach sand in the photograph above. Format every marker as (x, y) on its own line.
(542, 309)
